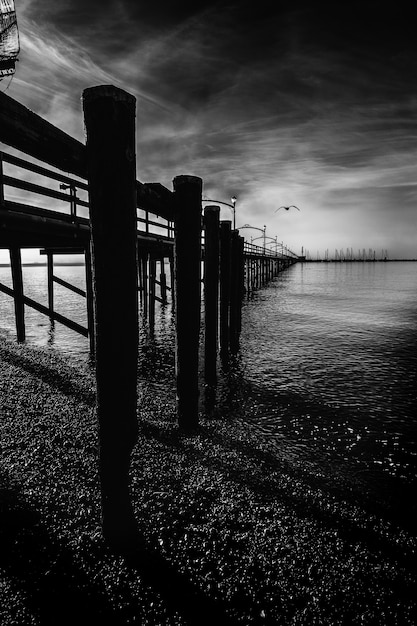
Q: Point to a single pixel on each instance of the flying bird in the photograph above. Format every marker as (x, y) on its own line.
(287, 208)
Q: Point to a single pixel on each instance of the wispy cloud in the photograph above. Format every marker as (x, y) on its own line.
(273, 107)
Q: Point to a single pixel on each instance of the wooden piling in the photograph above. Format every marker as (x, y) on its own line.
(187, 272)
(211, 291)
(241, 265)
(172, 281)
(17, 279)
(144, 265)
(234, 292)
(109, 115)
(50, 270)
(152, 290)
(225, 237)
(89, 297)
(163, 281)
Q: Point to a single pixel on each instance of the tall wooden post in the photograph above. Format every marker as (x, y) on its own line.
(1, 182)
(163, 281)
(211, 291)
(235, 292)
(225, 237)
(152, 290)
(50, 266)
(241, 265)
(17, 278)
(144, 264)
(187, 271)
(89, 297)
(109, 115)
(172, 281)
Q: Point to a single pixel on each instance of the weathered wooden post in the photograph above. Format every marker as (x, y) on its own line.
(163, 281)
(152, 290)
(241, 265)
(89, 296)
(109, 115)
(172, 281)
(225, 238)
(144, 265)
(187, 272)
(211, 291)
(50, 269)
(235, 293)
(17, 279)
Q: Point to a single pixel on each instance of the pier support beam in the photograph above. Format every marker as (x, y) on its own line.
(225, 262)
(50, 269)
(187, 272)
(211, 291)
(152, 290)
(235, 292)
(109, 115)
(89, 297)
(17, 279)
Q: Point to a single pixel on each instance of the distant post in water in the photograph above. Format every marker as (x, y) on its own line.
(211, 291)
(109, 115)
(187, 274)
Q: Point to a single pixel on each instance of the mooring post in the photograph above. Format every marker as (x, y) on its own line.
(109, 115)
(140, 281)
(89, 296)
(144, 263)
(225, 258)
(152, 290)
(241, 265)
(187, 272)
(211, 291)
(17, 279)
(1, 182)
(50, 269)
(235, 291)
(172, 280)
(163, 281)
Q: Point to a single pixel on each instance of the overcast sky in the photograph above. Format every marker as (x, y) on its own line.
(312, 104)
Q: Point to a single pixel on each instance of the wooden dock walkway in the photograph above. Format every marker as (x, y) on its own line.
(67, 197)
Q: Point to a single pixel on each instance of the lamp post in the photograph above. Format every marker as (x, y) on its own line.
(263, 236)
(263, 230)
(232, 206)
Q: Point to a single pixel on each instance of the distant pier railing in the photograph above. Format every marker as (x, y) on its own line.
(143, 244)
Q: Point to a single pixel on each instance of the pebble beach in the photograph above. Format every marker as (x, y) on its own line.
(229, 532)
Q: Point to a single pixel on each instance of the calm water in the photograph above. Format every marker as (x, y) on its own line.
(326, 373)
(329, 360)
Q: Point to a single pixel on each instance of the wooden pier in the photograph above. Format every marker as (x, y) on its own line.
(143, 244)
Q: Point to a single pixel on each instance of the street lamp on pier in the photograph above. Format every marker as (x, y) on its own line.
(263, 230)
(232, 206)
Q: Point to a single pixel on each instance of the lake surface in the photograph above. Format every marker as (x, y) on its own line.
(328, 354)
(326, 374)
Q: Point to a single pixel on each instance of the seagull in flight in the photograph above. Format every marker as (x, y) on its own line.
(287, 208)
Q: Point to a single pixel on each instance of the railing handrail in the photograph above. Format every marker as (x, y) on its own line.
(72, 199)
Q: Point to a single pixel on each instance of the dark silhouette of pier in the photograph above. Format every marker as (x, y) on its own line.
(71, 198)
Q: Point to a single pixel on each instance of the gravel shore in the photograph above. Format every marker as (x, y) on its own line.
(230, 533)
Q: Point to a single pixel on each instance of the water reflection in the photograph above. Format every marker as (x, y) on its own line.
(329, 375)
